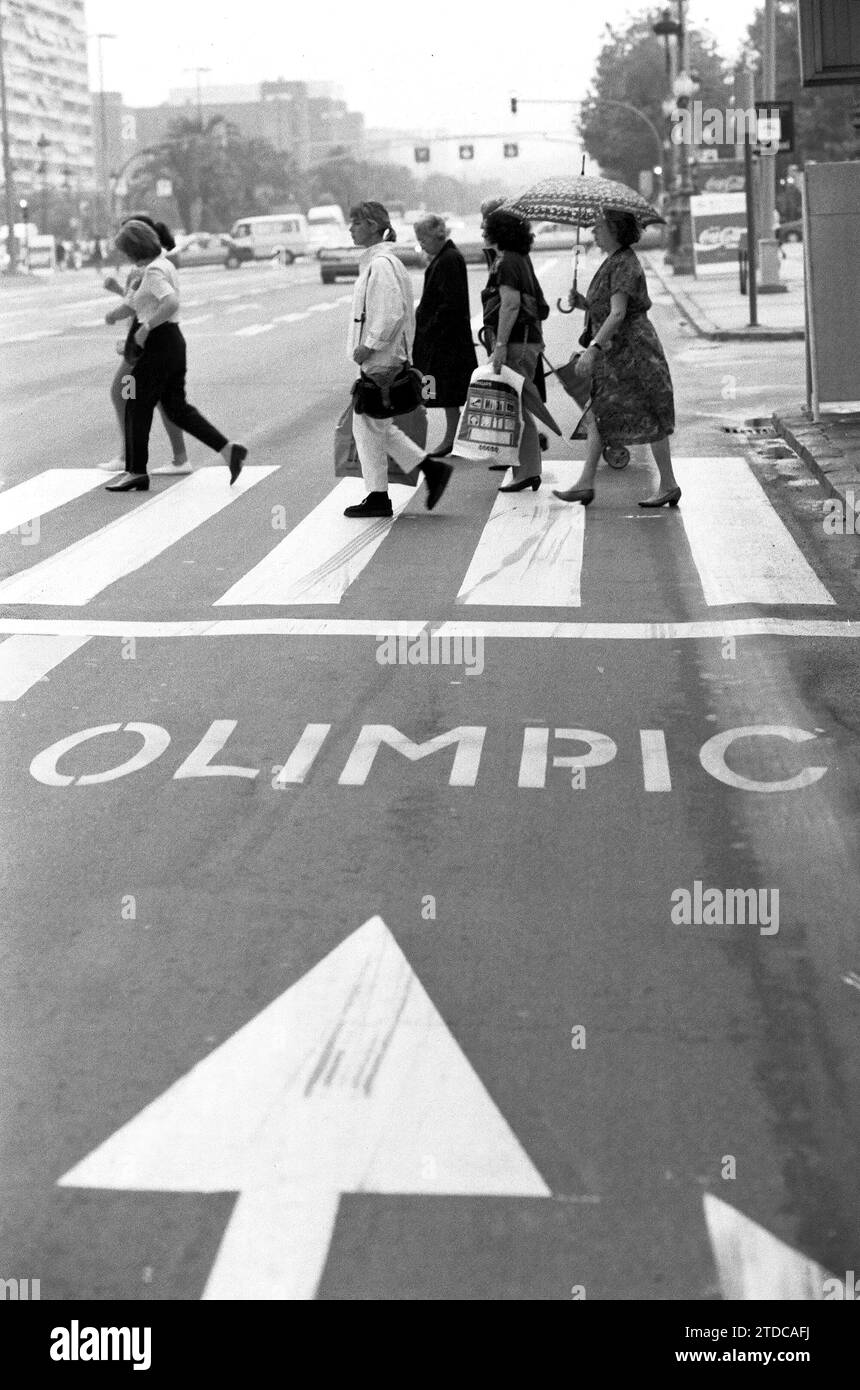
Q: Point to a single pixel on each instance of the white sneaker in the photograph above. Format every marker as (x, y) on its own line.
(171, 469)
(112, 466)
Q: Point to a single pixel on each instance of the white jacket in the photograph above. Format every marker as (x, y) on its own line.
(383, 309)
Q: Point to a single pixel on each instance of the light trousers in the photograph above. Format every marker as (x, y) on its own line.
(375, 440)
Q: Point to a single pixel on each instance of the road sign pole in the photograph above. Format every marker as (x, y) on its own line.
(768, 247)
(749, 102)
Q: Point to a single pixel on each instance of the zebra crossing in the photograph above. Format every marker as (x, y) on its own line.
(530, 552)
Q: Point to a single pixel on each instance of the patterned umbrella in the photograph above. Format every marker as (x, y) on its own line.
(579, 199)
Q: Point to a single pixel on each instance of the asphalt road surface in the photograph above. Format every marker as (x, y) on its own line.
(332, 968)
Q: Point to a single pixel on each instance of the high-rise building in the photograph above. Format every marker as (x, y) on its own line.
(47, 95)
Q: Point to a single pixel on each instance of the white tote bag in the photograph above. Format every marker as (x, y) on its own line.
(491, 421)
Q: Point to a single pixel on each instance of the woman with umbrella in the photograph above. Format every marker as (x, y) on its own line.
(631, 388)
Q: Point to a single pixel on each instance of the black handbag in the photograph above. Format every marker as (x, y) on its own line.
(382, 400)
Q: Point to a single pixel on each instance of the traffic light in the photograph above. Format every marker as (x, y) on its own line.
(511, 150)
(513, 106)
(467, 151)
(422, 154)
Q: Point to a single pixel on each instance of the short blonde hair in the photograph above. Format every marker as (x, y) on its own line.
(138, 241)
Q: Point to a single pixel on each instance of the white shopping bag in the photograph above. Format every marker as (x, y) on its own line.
(491, 421)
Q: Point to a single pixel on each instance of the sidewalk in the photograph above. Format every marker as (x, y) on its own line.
(713, 305)
(831, 449)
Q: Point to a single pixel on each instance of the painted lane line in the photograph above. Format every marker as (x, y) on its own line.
(289, 318)
(743, 552)
(252, 329)
(90, 323)
(655, 760)
(240, 308)
(322, 555)
(48, 490)
(75, 575)
(33, 337)
(344, 1083)
(530, 551)
(323, 308)
(753, 1264)
(379, 627)
(199, 318)
(25, 660)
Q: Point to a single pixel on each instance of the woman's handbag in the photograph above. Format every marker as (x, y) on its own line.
(346, 460)
(382, 400)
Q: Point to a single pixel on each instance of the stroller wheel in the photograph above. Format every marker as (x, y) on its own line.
(616, 455)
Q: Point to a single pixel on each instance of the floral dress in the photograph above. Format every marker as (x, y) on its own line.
(631, 388)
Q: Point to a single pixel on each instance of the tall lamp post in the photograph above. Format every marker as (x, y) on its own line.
(685, 259)
(8, 180)
(104, 176)
(43, 144)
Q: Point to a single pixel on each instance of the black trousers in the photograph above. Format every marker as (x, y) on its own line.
(159, 375)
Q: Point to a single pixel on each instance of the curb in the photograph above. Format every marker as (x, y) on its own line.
(728, 335)
(836, 476)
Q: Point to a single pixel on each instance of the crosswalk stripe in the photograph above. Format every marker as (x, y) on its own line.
(25, 659)
(75, 575)
(48, 490)
(530, 551)
(742, 550)
(322, 555)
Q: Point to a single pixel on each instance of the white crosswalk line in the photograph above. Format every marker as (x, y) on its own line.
(252, 329)
(24, 660)
(75, 575)
(322, 556)
(741, 549)
(48, 490)
(530, 551)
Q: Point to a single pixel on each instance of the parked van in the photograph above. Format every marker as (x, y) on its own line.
(283, 234)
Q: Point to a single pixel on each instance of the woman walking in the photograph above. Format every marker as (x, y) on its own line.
(179, 457)
(158, 374)
(443, 347)
(380, 340)
(514, 307)
(631, 388)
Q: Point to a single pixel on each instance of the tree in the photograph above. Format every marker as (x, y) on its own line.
(822, 124)
(631, 67)
(217, 173)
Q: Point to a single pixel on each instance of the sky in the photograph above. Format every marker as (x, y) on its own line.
(448, 66)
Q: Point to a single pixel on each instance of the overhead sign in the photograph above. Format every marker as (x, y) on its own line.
(511, 150)
(829, 42)
(467, 151)
(422, 154)
(774, 127)
(350, 1081)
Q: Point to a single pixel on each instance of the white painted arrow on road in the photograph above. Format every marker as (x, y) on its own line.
(349, 1082)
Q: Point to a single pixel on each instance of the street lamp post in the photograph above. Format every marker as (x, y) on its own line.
(8, 181)
(685, 259)
(43, 144)
(104, 177)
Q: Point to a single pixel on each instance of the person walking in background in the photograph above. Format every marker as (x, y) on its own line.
(514, 307)
(380, 339)
(443, 348)
(632, 401)
(179, 460)
(158, 374)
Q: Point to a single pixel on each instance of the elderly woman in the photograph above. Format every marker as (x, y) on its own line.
(179, 462)
(443, 348)
(631, 388)
(514, 307)
(380, 341)
(158, 374)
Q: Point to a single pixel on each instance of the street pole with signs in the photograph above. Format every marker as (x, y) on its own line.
(685, 255)
(768, 246)
(8, 181)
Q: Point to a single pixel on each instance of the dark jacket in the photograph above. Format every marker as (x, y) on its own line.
(443, 345)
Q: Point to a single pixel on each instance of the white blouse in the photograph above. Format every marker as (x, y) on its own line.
(159, 279)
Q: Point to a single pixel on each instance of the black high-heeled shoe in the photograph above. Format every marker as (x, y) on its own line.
(238, 454)
(533, 483)
(497, 467)
(663, 499)
(576, 494)
(129, 482)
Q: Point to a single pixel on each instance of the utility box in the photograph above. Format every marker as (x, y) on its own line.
(831, 235)
(829, 42)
